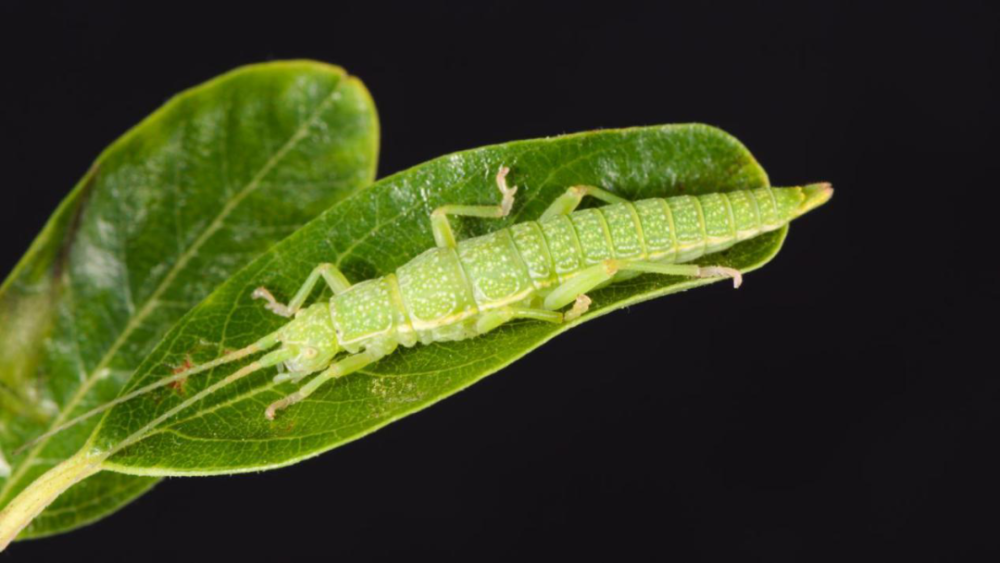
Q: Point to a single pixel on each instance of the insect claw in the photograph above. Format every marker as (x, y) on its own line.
(289, 376)
(282, 404)
(722, 271)
(580, 306)
(508, 192)
(272, 303)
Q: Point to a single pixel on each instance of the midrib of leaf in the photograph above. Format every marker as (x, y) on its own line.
(93, 501)
(152, 302)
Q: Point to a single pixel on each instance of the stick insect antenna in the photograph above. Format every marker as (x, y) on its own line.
(263, 344)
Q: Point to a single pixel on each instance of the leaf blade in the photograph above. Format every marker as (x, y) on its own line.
(376, 231)
(174, 206)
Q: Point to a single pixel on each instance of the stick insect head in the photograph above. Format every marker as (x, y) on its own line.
(312, 338)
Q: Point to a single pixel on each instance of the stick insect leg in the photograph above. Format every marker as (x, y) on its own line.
(333, 277)
(344, 367)
(491, 320)
(568, 202)
(690, 270)
(443, 234)
(293, 376)
(575, 289)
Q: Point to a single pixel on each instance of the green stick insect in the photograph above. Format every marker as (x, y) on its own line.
(531, 270)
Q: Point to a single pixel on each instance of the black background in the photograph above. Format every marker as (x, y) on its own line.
(841, 405)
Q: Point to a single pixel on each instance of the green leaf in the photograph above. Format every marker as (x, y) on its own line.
(171, 209)
(372, 233)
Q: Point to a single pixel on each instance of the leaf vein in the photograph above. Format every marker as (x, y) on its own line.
(151, 303)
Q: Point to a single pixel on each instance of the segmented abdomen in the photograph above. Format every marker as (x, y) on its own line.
(675, 229)
(439, 294)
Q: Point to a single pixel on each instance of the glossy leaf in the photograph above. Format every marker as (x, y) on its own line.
(372, 233)
(166, 213)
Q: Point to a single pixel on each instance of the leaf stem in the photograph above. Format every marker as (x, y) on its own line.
(43, 491)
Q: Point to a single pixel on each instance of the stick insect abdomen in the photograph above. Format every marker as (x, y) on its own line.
(683, 228)
(564, 247)
(534, 252)
(441, 294)
(495, 269)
